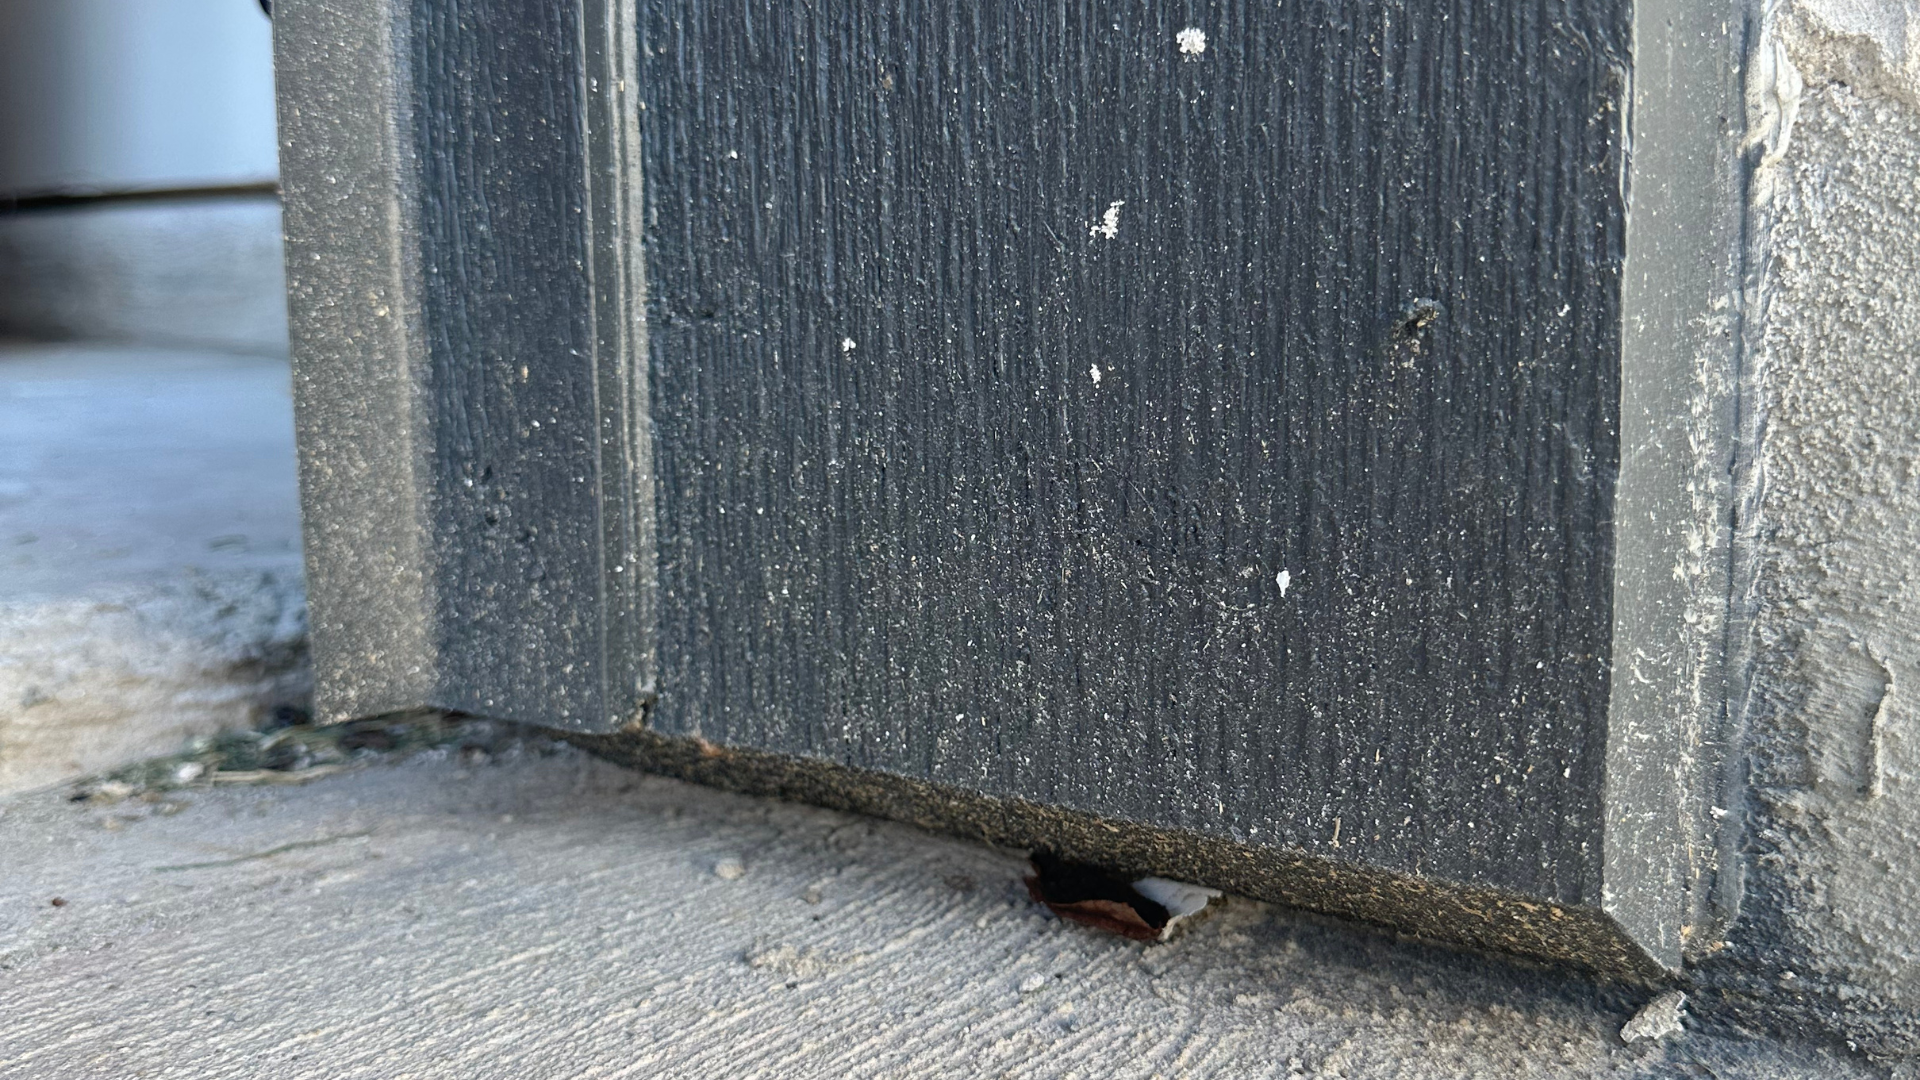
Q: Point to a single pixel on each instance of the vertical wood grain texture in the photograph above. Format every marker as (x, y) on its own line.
(472, 413)
(1355, 320)
(532, 461)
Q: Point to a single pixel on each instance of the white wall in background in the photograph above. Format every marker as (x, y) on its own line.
(118, 94)
(188, 273)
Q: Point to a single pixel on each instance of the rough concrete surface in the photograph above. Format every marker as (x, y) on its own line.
(194, 273)
(521, 910)
(150, 583)
(1836, 751)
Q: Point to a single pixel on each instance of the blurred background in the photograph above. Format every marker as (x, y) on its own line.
(150, 585)
(137, 173)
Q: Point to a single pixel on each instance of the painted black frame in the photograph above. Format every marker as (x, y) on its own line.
(1299, 463)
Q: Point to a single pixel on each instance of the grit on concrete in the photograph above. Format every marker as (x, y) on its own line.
(533, 912)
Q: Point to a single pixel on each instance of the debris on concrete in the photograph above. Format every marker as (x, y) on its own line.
(300, 752)
(730, 869)
(1179, 898)
(1658, 1019)
(1149, 909)
(541, 914)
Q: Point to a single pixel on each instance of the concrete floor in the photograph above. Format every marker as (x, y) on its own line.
(150, 578)
(497, 907)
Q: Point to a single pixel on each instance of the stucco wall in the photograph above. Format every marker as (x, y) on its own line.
(1831, 914)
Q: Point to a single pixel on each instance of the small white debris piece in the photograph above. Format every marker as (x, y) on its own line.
(1658, 1019)
(1033, 984)
(1108, 226)
(847, 345)
(1284, 580)
(188, 771)
(112, 791)
(729, 869)
(1095, 372)
(1192, 41)
(1179, 898)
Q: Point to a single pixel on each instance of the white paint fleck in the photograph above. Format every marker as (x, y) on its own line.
(847, 345)
(1192, 41)
(1108, 226)
(1095, 372)
(1033, 984)
(1284, 580)
(729, 869)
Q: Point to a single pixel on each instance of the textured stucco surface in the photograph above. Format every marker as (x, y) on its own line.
(1831, 915)
(515, 910)
(150, 580)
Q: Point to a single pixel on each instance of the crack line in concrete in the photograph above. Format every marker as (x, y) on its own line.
(297, 845)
